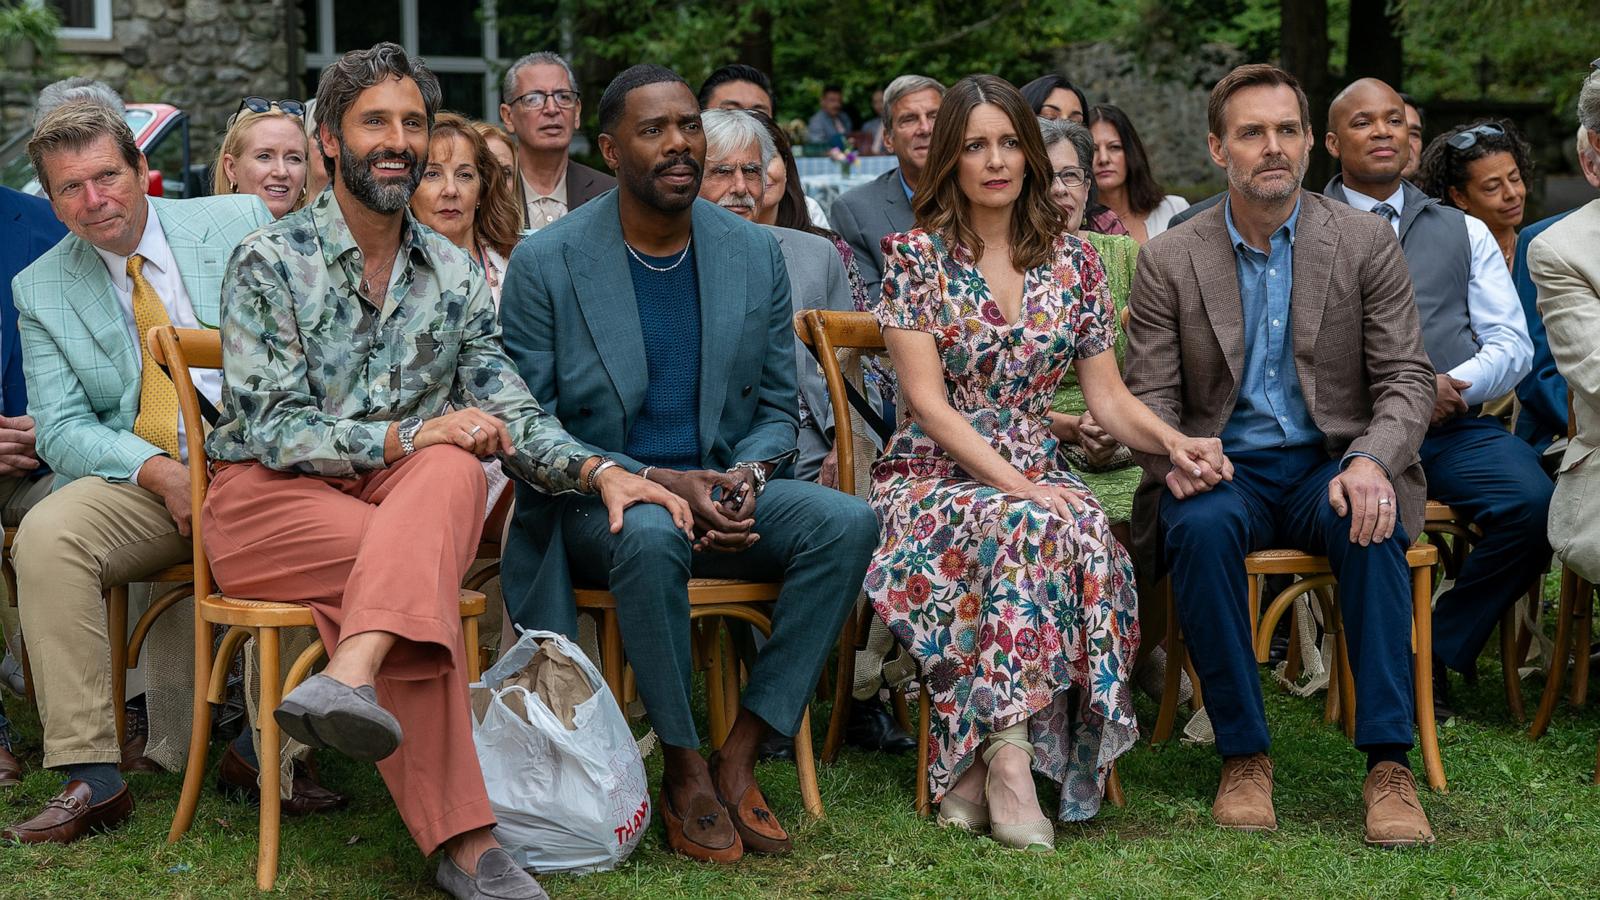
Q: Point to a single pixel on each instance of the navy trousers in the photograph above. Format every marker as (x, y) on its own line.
(1494, 479)
(1279, 498)
(816, 540)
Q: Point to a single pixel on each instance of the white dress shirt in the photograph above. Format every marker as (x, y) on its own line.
(1505, 352)
(161, 270)
(1158, 219)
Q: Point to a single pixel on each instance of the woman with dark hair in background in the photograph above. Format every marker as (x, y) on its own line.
(1054, 97)
(1481, 169)
(1122, 173)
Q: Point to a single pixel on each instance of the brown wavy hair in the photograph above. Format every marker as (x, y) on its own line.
(941, 207)
(498, 217)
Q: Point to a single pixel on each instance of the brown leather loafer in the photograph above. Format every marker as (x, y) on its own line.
(69, 816)
(704, 834)
(758, 828)
(1394, 815)
(239, 779)
(10, 769)
(1244, 798)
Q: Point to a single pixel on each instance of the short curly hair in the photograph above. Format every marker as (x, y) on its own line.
(1444, 167)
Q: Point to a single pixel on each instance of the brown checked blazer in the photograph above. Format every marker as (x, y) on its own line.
(1357, 347)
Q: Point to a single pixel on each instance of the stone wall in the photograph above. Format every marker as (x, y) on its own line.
(1167, 105)
(202, 56)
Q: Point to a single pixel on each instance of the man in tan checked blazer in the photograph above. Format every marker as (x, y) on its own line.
(107, 423)
(1284, 324)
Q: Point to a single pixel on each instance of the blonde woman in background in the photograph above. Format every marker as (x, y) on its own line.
(264, 152)
(501, 145)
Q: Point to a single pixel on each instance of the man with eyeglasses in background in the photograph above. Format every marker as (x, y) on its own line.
(541, 108)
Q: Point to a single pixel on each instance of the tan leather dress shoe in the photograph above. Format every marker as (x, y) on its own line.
(10, 769)
(69, 816)
(1394, 814)
(1244, 798)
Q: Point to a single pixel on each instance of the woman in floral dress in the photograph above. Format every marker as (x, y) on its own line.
(997, 569)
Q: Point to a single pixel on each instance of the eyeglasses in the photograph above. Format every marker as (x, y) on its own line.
(261, 104)
(535, 99)
(1071, 177)
(1466, 140)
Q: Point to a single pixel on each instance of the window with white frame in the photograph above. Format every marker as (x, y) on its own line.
(81, 19)
(458, 41)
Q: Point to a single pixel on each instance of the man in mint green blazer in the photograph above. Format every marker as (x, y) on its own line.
(120, 510)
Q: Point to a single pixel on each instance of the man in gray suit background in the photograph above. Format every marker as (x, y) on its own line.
(881, 207)
(659, 331)
(1283, 323)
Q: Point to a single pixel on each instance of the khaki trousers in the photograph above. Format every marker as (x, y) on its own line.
(384, 551)
(75, 543)
(17, 496)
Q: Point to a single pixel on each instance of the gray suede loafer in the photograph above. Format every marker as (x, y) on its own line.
(323, 712)
(498, 878)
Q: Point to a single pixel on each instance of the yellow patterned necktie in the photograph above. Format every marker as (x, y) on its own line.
(157, 421)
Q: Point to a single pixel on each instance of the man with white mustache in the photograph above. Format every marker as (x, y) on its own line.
(738, 149)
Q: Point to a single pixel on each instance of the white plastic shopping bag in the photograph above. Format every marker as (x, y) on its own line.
(566, 799)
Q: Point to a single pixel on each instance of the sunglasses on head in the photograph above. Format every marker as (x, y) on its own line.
(1467, 139)
(261, 104)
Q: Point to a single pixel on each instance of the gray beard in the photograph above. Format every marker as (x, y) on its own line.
(373, 194)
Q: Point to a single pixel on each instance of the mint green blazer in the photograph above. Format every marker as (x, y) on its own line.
(82, 369)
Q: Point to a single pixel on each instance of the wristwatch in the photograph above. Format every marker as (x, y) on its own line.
(758, 475)
(407, 433)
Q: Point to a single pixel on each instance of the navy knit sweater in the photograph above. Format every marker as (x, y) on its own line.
(667, 432)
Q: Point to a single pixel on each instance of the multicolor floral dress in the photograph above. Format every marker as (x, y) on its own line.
(1012, 611)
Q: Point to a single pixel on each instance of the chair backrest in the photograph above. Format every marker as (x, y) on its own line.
(830, 331)
(180, 350)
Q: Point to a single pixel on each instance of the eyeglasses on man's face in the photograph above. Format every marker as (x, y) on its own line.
(535, 99)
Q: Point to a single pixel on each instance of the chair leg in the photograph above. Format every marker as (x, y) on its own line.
(1177, 659)
(902, 712)
(1580, 648)
(1422, 677)
(270, 766)
(1509, 664)
(469, 635)
(1347, 688)
(843, 684)
(716, 705)
(117, 628)
(925, 710)
(611, 657)
(805, 763)
(1114, 793)
(194, 771)
(1293, 665)
(27, 675)
(1570, 583)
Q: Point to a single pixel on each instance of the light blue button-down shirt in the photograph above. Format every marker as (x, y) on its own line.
(1271, 411)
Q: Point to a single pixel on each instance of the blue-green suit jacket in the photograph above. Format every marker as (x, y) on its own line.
(571, 326)
(81, 366)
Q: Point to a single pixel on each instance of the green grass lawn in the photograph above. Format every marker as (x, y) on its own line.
(1520, 819)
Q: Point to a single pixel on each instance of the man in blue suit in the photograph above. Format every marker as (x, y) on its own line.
(657, 328)
(1544, 391)
(32, 229)
(108, 426)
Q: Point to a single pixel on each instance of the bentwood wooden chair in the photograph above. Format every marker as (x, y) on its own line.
(831, 332)
(1315, 577)
(181, 350)
(1574, 630)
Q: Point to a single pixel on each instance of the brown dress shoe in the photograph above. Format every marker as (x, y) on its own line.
(704, 834)
(1244, 798)
(239, 778)
(752, 817)
(10, 769)
(134, 760)
(69, 816)
(1394, 815)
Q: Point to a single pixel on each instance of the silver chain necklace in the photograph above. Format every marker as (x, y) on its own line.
(681, 257)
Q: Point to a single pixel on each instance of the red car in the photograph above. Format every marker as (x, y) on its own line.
(161, 131)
